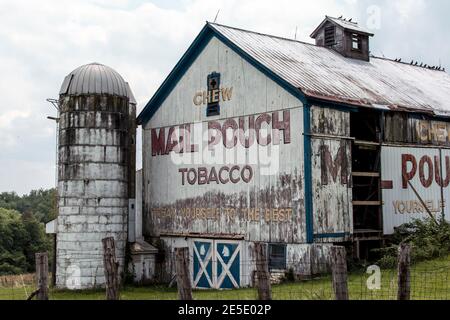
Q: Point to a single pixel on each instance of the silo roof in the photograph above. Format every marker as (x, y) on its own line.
(96, 78)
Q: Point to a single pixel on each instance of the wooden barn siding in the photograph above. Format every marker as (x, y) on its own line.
(332, 193)
(302, 259)
(253, 93)
(412, 129)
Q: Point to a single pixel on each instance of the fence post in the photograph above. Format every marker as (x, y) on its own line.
(262, 272)
(182, 270)
(111, 269)
(404, 281)
(42, 275)
(339, 271)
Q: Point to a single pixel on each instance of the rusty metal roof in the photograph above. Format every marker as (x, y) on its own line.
(96, 78)
(324, 74)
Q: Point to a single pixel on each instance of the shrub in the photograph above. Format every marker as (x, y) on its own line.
(429, 240)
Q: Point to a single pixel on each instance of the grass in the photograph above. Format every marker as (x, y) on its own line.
(429, 281)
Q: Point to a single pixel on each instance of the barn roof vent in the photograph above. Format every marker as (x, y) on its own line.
(344, 36)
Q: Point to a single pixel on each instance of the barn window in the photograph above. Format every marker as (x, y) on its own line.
(277, 256)
(356, 42)
(330, 34)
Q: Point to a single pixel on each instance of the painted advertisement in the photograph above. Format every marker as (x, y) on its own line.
(415, 183)
(230, 176)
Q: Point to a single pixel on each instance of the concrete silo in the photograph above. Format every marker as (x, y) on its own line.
(96, 178)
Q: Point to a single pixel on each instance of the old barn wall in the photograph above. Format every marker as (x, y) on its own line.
(417, 146)
(267, 207)
(428, 171)
(303, 260)
(331, 172)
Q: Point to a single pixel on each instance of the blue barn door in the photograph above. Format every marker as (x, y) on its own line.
(216, 264)
(203, 277)
(228, 257)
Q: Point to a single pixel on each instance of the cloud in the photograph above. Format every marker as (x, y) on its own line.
(42, 41)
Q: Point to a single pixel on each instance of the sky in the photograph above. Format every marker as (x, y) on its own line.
(42, 41)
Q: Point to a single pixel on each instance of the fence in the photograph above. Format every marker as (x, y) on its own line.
(321, 281)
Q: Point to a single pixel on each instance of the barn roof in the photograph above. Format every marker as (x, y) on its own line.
(318, 73)
(345, 24)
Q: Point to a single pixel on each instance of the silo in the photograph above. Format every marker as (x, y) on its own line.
(96, 172)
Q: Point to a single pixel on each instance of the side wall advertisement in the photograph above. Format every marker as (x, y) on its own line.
(427, 170)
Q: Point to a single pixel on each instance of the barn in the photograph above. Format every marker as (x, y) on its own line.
(257, 138)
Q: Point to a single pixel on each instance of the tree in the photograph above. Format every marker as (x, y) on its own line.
(40, 203)
(21, 236)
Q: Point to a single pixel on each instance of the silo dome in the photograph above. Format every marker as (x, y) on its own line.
(96, 78)
(96, 173)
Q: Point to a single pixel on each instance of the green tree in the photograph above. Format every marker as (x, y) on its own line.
(40, 203)
(21, 236)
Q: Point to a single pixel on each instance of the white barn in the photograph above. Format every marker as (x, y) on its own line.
(257, 138)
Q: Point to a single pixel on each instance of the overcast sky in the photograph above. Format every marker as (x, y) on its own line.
(42, 41)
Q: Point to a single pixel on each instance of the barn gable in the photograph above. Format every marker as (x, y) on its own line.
(254, 203)
(195, 50)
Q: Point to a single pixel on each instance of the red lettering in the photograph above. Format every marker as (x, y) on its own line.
(247, 142)
(223, 181)
(426, 182)
(233, 180)
(158, 142)
(194, 179)
(202, 176)
(284, 125)
(437, 172)
(447, 168)
(259, 121)
(214, 126)
(190, 148)
(213, 176)
(229, 143)
(408, 176)
(331, 167)
(248, 178)
(172, 141)
(182, 171)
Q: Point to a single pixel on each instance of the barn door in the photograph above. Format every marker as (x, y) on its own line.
(228, 257)
(216, 264)
(203, 264)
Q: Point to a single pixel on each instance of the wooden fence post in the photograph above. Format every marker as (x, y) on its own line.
(183, 277)
(339, 272)
(404, 274)
(42, 275)
(262, 272)
(111, 269)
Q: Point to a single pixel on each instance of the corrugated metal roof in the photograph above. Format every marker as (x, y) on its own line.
(96, 78)
(348, 25)
(325, 74)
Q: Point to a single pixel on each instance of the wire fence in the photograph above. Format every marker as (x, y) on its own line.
(216, 279)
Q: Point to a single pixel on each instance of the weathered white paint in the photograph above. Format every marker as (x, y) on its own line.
(400, 204)
(331, 172)
(302, 259)
(93, 188)
(253, 94)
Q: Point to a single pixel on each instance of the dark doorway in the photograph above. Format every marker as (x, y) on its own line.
(365, 128)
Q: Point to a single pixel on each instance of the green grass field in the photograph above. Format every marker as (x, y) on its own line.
(429, 281)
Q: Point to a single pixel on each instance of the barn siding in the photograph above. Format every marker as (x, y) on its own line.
(253, 94)
(331, 172)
